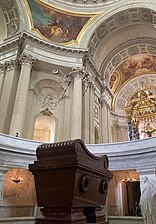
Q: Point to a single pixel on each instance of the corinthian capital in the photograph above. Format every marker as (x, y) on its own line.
(8, 65)
(11, 64)
(27, 59)
(75, 73)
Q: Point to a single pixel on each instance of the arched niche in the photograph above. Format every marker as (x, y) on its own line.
(44, 129)
(19, 190)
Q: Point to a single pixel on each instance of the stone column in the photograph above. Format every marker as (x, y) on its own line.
(2, 76)
(86, 117)
(19, 111)
(106, 99)
(8, 91)
(60, 122)
(105, 122)
(66, 118)
(91, 112)
(76, 120)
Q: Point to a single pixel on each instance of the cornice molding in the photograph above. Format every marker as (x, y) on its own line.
(42, 43)
(27, 37)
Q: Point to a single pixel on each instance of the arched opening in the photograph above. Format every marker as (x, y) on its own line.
(19, 196)
(44, 129)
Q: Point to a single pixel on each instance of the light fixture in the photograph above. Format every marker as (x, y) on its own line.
(128, 180)
(17, 178)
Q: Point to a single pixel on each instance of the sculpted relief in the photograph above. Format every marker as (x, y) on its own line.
(19, 193)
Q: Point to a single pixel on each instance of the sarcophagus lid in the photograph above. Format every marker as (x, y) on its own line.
(68, 175)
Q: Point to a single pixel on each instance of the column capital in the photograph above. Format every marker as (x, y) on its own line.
(11, 64)
(2, 68)
(27, 59)
(8, 65)
(76, 73)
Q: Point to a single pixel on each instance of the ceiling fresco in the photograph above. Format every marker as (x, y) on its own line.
(56, 25)
(134, 66)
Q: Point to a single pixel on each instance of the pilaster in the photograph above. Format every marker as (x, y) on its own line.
(76, 120)
(106, 99)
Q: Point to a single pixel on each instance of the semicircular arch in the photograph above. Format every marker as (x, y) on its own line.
(106, 24)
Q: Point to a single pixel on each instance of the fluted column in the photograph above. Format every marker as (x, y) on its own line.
(18, 116)
(66, 118)
(8, 91)
(86, 117)
(76, 121)
(105, 123)
(91, 121)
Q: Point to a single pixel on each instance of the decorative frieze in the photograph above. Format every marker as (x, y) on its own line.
(11, 15)
(90, 2)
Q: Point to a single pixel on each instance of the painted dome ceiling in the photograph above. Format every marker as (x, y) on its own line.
(135, 66)
(56, 25)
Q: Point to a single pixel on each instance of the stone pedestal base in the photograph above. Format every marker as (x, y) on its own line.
(62, 216)
(95, 215)
(72, 216)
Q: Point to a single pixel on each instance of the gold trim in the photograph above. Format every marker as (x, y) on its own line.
(91, 17)
(118, 90)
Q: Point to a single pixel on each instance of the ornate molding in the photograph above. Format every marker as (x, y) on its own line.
(11, 15)
(64, 49)
(117, 21)
(11, 44)
(130, 88)
(8, 65)
(89, 2)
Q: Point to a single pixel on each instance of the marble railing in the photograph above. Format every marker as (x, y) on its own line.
(139, 154)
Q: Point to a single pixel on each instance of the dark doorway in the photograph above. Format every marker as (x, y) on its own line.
(133, 196)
